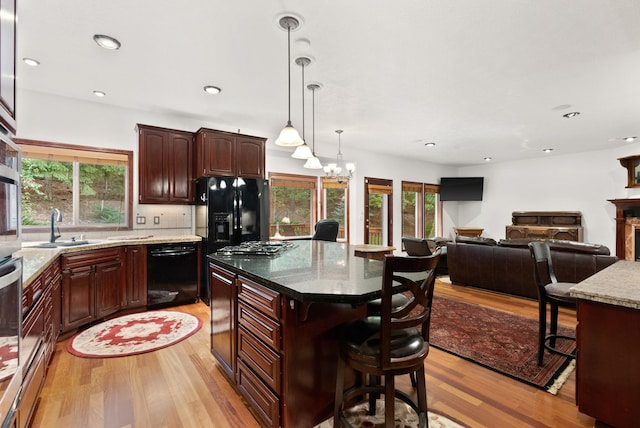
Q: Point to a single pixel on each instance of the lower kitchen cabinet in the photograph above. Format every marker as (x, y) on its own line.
(92, 286)
(223, 310)
(136, 272)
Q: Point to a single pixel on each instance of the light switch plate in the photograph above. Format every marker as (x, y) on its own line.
(156, 220)
(141, 219)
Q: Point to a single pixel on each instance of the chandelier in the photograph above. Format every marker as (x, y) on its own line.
(339, 170)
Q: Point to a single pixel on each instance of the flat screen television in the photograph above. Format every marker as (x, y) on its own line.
(461, 188)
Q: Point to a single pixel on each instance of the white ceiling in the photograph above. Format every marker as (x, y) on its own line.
(479, 78)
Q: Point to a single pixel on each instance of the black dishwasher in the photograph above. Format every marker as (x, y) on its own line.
(172, 274)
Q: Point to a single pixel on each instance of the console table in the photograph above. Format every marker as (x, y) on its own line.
(468, 231)
(565, 225)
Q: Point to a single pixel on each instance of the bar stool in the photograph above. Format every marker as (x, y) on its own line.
(393, 343)
(550, 291)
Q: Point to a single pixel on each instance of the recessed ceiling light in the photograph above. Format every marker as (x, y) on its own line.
(106, 42)
(572, 114)
(630, 139)
(99, 94)
(430, 144)
(487, 159)
(547, 150)
(212, 90)
(30, 61)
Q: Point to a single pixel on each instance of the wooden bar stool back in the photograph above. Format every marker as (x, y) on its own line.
(394, 343)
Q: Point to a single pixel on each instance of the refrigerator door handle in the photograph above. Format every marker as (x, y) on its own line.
(239, 216)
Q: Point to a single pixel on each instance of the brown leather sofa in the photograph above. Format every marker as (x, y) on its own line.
(506, 266)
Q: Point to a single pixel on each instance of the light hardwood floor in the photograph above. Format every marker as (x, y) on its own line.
(181, 386)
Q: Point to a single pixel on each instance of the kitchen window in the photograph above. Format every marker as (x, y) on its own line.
(90, 186)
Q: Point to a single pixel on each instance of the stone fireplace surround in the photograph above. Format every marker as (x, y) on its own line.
(627, 223)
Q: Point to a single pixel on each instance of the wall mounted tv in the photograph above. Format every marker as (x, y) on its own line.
(461, 188)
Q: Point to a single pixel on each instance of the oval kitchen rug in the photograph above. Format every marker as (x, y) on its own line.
(134, 334)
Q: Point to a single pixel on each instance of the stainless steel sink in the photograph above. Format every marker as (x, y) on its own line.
(63, 244)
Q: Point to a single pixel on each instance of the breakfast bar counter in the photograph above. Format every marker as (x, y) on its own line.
(275, 323)
(608, 342)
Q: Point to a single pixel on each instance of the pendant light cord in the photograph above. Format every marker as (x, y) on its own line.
(302, 64)
(289, 64)
(313, 122)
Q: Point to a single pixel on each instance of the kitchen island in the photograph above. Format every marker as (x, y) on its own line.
(275, 321)
(608, 342)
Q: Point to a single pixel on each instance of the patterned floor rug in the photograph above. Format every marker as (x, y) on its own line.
(8, 356)
(134, 334)
(500, 341)
(405, 417)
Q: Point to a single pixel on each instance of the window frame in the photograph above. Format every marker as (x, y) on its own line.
(128, 217)
(312, 182)
(412, 186)
(324, 181)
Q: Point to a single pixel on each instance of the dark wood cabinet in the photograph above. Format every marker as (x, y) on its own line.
(220, 153)
(109, 287)
(92, 286)
(607, 369)
(223, 330)
(165, 166)
(215, 153)
(136, 272)
(78, 301)
(250, 158)
(8, 64)
(52, 302)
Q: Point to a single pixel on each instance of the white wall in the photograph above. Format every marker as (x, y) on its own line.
(578, 182)
(581, 182)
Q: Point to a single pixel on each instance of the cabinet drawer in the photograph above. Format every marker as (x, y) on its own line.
(264, 402)
(266, 329)
(88, 258)
(262, 359)
(261, 298)
(31, 387)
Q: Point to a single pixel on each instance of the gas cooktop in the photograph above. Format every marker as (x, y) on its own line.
(256, 248)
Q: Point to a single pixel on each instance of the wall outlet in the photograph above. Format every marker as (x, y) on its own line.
(156, 220)
(141, 219)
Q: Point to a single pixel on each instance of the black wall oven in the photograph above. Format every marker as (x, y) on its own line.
(11, 345)
(10, 240)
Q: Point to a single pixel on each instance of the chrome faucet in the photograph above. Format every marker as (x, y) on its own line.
(56, 215)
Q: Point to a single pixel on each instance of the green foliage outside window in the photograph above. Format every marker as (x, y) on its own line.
(49, 183)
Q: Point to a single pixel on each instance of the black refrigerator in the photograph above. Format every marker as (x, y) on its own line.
(229, 210)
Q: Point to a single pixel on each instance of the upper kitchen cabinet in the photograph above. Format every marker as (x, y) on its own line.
(220, 153)
(165, 170)
(8, 64)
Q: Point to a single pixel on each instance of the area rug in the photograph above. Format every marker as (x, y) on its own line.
(8, 356)
(500, 341)
(405, 417)
(134, 334)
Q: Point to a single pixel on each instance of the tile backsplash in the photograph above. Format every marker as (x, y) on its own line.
(156, 220)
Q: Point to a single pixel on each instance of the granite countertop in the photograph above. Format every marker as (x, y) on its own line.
(618, 284)
(312, 271)
(36, 259)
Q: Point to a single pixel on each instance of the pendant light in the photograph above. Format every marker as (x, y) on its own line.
(313, 162)
(303, 151)
(289, 136)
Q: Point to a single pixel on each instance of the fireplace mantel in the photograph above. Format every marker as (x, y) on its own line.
(621, 204)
